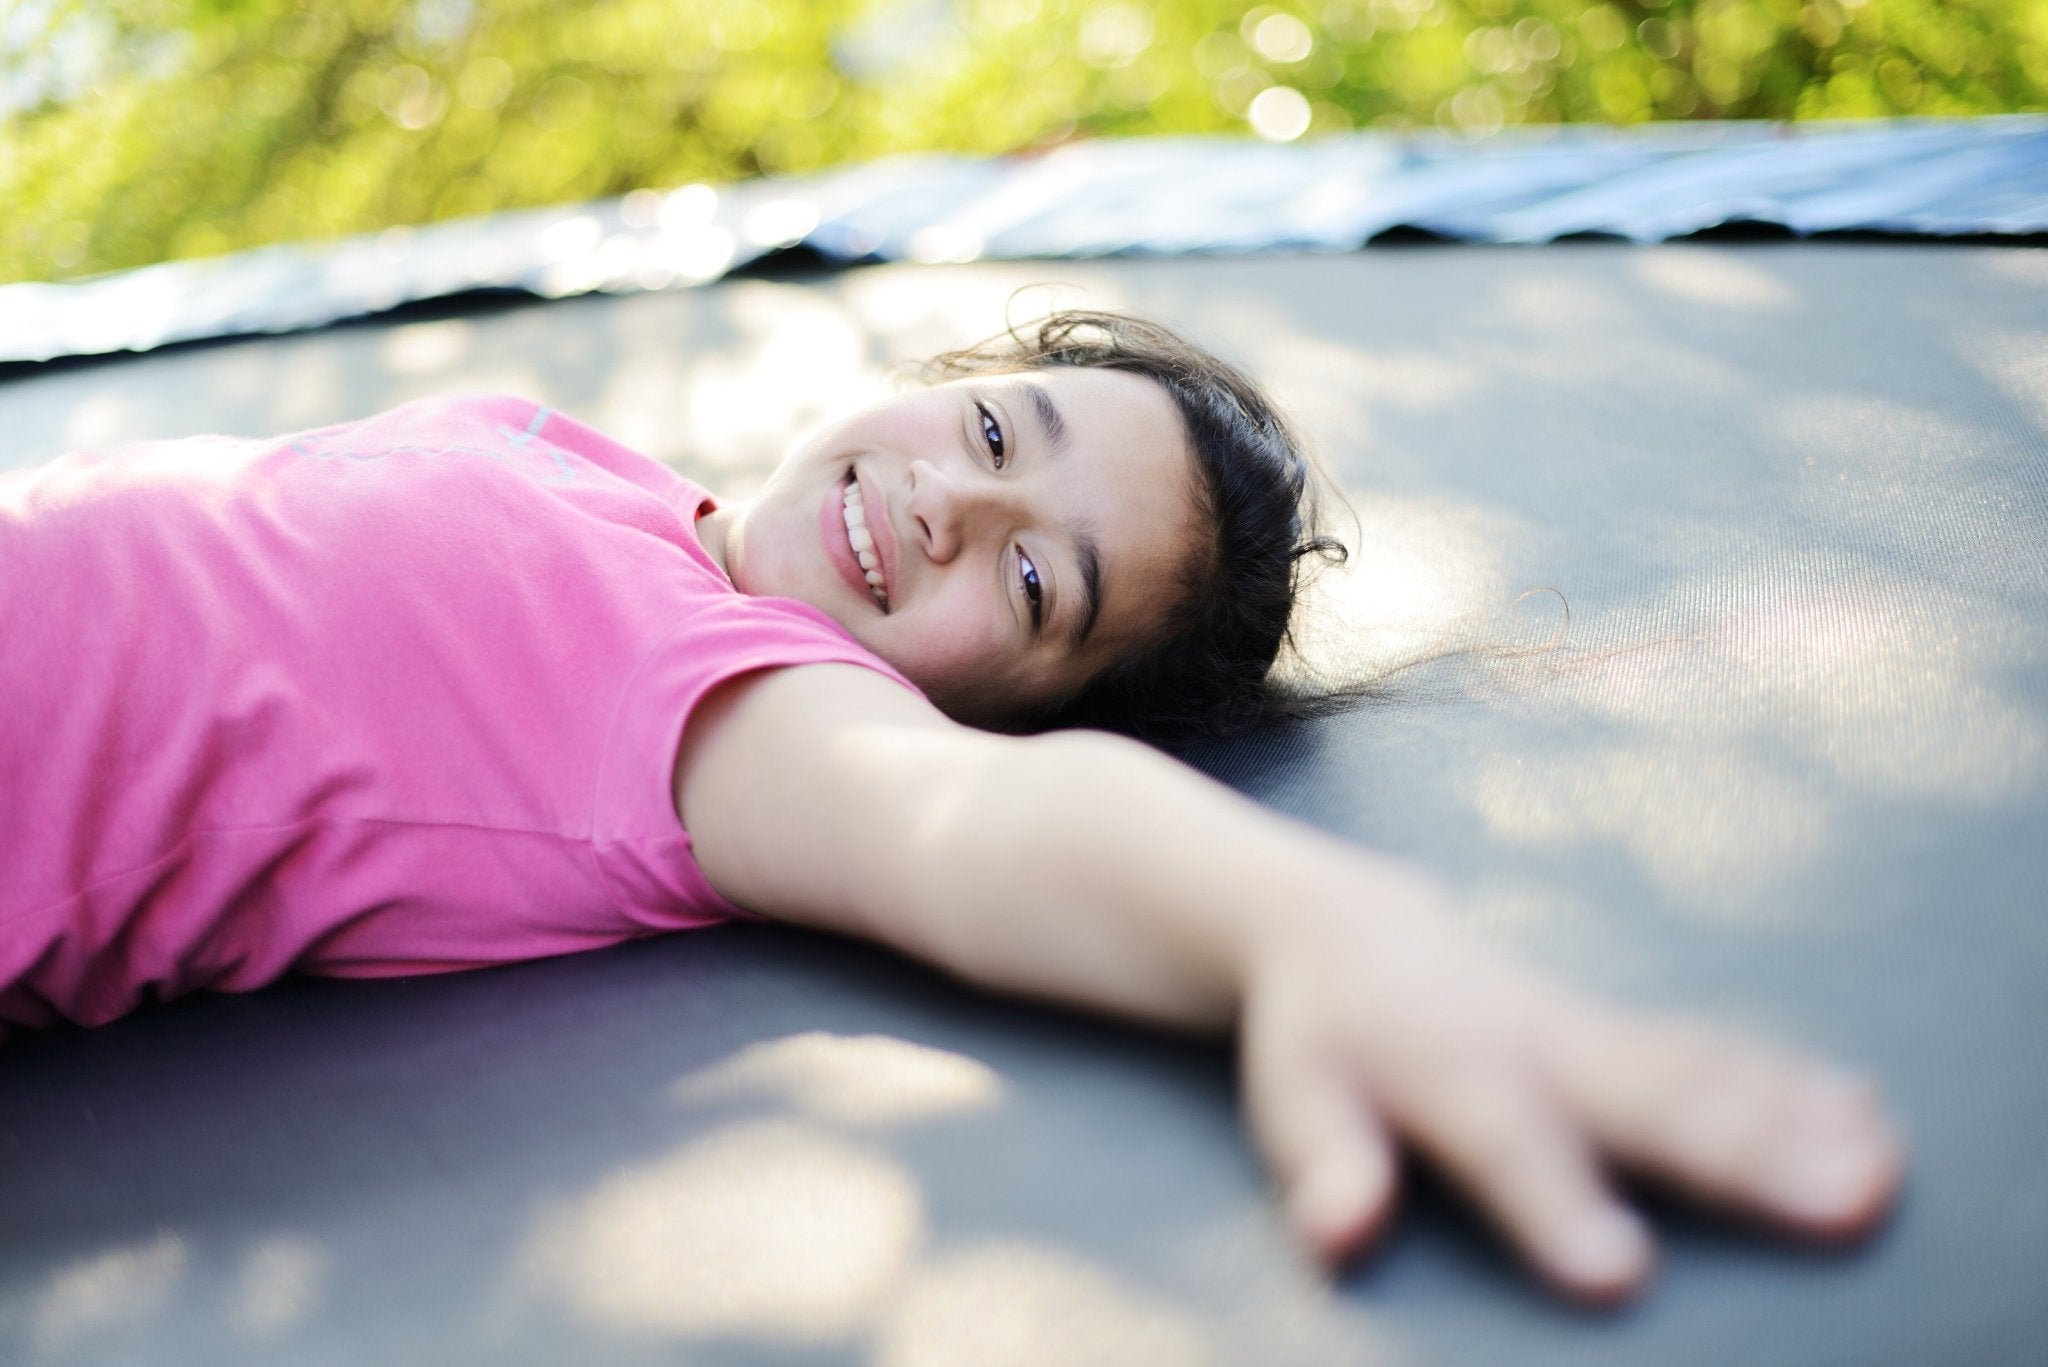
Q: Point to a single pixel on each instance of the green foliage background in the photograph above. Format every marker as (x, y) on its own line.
(138, 130)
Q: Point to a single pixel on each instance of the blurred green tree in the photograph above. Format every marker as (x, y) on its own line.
(140, 130)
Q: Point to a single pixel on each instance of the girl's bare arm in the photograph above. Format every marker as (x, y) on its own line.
(1090, 870)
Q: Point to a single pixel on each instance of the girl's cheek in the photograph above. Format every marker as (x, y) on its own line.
(956, 650)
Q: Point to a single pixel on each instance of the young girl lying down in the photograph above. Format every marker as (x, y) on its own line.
(469, 683)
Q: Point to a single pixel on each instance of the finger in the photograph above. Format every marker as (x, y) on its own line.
(1343, 1197)
(1334, 1163)
(1507, 1144)
(1739, 1125)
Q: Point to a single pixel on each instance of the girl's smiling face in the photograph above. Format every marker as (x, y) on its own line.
(1027, 528)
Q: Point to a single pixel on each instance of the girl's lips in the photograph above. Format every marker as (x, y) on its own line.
(832, 531)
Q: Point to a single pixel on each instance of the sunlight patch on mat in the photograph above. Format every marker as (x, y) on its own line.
(644, 403)
(281, 1281)
(861, 1080)
(915, 312)
(113, 1293)
(1900, 697)
(1946, 494)
(427, 348)
(1715, 833)
(1723, 279)
(1593, 337)
(2017, 363)
(1014, 1304)
(1543, 299)
(2025, 267)
(1332, 392)
(1889, 688)
(1344, 402)
(767, 1229)
(313, 384)
(102, 419)
(1742, 737)
(1282, 1308)
(1425, 575)
(745, 399)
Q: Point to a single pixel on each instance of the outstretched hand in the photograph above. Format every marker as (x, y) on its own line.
(1122, 882)
(1386, 1028)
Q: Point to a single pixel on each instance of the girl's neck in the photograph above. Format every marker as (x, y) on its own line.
(712, 529)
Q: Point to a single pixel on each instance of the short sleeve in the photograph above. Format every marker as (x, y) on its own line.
(644, 854)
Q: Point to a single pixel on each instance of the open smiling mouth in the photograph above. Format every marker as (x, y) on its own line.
(863, 543)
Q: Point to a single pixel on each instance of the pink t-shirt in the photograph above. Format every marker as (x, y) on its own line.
(398, 696)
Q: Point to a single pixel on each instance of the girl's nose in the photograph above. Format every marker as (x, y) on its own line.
(949, 508)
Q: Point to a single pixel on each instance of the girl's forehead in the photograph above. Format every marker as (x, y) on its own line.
(1082, 407)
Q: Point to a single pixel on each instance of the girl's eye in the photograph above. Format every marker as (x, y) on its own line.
(1028, 573)
(992, 433)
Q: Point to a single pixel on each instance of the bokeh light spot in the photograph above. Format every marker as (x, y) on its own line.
(1282, 38)
(1279, 113)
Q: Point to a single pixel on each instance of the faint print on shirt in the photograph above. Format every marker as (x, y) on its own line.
(520, 446)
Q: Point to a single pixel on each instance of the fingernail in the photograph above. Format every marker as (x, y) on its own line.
(1320, 1192)
(1822, 1182)
(1329, 1204)
(1604, 1247)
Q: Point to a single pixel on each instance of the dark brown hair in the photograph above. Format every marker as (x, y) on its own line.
(1205, 668)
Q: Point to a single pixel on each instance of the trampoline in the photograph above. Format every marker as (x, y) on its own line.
(1787, 767)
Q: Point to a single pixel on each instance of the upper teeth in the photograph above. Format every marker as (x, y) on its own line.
(863, 543)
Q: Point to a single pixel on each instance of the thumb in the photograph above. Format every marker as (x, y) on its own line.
(1330, 1156)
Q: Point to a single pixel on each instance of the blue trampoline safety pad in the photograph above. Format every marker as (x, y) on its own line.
(1927, 178)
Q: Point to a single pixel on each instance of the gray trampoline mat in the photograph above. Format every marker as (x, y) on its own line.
(1788, 769)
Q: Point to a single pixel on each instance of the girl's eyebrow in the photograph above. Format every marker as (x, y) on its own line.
(1050, 420)
(1090, 555)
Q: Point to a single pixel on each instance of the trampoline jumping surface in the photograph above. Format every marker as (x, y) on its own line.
(1787, 768)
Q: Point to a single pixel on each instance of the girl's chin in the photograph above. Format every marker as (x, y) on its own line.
(861, 628)
(851, 617)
